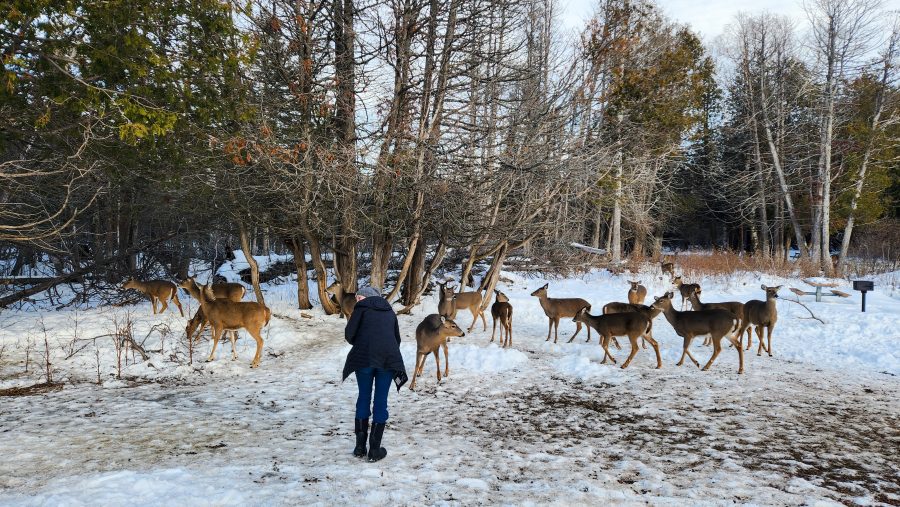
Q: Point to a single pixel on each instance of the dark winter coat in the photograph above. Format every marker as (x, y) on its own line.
(375, 335)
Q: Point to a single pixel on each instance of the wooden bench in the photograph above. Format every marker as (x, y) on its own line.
(798, 291)
(839, 293)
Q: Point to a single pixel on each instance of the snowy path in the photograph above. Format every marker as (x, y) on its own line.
(541, 424)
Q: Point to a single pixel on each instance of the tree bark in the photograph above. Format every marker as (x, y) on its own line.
(299, 250)
(254, 267)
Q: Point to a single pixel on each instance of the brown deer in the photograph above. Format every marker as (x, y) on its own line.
(637, 293)
(231, 316)
(761, 314)
(431, 335)
(716, 323)
(630, 324)
(557, 308)
(668, 268)
(228, 291)
(448, 306)
(615, 307)
(686, 289)
(446, 295)
(158, 290)
(736, 308)
(502, 311)
(346, 300)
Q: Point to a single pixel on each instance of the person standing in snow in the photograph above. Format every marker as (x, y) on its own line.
(375, 358)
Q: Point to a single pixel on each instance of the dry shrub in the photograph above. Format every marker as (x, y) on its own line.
(718, 263)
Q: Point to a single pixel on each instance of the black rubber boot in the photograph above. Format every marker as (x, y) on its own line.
(376, 452)
(361, 428)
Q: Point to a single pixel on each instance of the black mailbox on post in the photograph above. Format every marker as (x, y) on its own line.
(863, 286)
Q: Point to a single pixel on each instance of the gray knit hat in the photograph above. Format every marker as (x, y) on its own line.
(368, 292)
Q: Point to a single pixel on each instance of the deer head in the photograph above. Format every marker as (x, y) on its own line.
(542, 291)
(449, 328)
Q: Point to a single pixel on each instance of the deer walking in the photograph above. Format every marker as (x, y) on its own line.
(716, 323)
(736, 308)
(634, 325)
(158, 290)
(229, 291)
(346, 300)
(501, 311)
(451, 302)
(686, 289)
(557, 308)
(761, 314)
(637, 293)
(616, 307)
(231, 316)
(431, 335)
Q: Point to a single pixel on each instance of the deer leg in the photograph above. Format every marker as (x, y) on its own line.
(509, 333)
(556, 329)
(737, 344)
(177, 302)
(604, 342)
(770, 327)
(233, 350)
(420, 363)
(762, 344)
(153, 302)
(437, 361)
(446, 362)
(216, 334)
(577, 330)
(494, 330)
(648, 337)
(749, 328)
(634, 350)
(483, 320)
(474, 312)
(549, 328)
(259, 345)
(165, 304)
(717, 347)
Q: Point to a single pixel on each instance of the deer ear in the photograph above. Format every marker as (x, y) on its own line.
(764, 287)
(443, 319)
(670, 295)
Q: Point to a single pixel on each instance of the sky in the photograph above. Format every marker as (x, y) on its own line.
(708, 17)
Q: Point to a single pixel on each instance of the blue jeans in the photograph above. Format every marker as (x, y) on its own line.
(365, 377)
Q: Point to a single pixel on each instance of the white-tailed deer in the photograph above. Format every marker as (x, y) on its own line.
(446, 296)
(736, 308)
(616, 307)
(157, 290)
(431, 335)
(228, 291)
(346, 300)
(716, 323)
(502, 311)
(448, 306)
(231, 316)
(668, 268)
(556, 309)
(686, 289)
(631, 324)
(637, 293)
(761, 314)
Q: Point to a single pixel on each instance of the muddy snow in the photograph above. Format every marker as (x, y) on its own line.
(541, 423)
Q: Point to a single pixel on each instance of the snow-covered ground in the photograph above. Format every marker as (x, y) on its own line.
(540, 423)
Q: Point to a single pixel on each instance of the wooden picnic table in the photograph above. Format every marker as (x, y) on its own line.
(818, 292)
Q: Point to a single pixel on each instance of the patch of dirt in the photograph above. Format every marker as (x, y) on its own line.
(32, 390)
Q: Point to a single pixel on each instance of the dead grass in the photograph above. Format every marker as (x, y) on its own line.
(32, 390)
(719, 263)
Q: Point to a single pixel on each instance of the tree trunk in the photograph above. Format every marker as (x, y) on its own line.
(254, 267)
(315, 252)
(299, 250)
